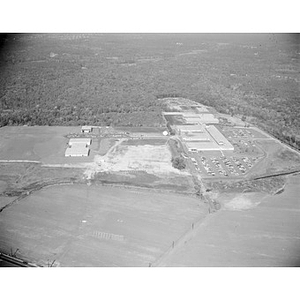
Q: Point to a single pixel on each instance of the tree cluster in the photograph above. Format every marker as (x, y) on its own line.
(178, 163)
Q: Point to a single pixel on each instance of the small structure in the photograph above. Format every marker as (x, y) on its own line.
(85, 141)
(86, 129)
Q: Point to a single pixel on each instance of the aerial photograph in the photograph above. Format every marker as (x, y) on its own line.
(149, 150)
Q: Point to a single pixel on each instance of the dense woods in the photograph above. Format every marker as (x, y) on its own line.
(117, 79)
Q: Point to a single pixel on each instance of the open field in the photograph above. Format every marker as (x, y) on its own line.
(46, 144)
(250, 230)
(181, 183)
(279, 157)
(84, 225)
(18, 178)
(105, 145)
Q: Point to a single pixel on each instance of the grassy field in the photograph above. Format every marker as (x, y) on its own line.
(279, 158)
(17, 178)
(173, 182)
(251, 229)
(84, 225)
(105, 145)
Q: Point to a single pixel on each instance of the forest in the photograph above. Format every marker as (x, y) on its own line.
(117, 79)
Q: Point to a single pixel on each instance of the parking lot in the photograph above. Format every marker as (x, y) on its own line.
(230, 164)
(248, 133)
(223, 166)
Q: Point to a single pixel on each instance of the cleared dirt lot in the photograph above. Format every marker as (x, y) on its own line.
(250, 230)
(152, 156)
(84, 225)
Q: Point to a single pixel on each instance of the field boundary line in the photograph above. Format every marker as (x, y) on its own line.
(184, 238)
(19, 161)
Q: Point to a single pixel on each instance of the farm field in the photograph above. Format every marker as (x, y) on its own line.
(82, 225)
(251, 229)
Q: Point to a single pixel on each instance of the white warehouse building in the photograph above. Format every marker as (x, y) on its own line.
(77, 150)
(78, 147)
(85, 141)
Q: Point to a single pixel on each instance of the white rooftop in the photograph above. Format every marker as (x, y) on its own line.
(78, 150)
(86, 141)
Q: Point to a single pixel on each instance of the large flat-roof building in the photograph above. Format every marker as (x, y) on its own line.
(77, 150)
(206, 138)
(219, 138)
(78, 147)
(195, 146)
(85, 141)
(189, 128)
(200, 118)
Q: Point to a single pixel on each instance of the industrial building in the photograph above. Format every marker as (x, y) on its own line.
(219, 138)
(180, 129)
(78, 147)
(195, 146)
(77, 150)
(85, 141)
(209, 139)
(196, 137)
(200, 109)
(172, 113)
(200, 118)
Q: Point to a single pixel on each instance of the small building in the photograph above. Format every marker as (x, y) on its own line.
(86, 129)
(85, 141)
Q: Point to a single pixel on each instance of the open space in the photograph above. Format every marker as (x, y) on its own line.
(84, 225)
(250, 230)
